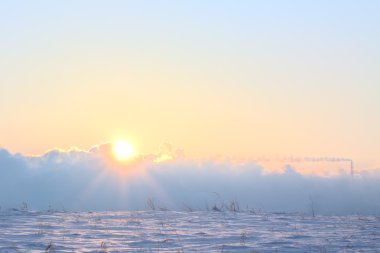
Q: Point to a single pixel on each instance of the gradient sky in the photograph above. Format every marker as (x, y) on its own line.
(236, 78)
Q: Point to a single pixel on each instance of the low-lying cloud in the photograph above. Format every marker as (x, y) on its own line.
(90, 180)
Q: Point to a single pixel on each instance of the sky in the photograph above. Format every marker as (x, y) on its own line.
(233, 78)
(282, 92)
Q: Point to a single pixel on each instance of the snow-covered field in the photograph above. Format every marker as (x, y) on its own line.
(198, 231)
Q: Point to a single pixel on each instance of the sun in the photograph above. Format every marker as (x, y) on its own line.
(123, 151)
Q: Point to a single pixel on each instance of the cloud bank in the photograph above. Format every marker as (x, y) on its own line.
(91, 181)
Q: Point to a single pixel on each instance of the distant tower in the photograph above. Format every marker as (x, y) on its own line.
(352, 167)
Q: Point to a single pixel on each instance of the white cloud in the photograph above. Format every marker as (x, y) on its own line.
(90, 180)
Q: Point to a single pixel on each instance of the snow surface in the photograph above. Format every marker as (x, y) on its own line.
(199, 231)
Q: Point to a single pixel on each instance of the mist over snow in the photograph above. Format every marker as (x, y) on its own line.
(90, 180)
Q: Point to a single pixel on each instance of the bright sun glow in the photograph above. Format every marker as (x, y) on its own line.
(123, 150)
